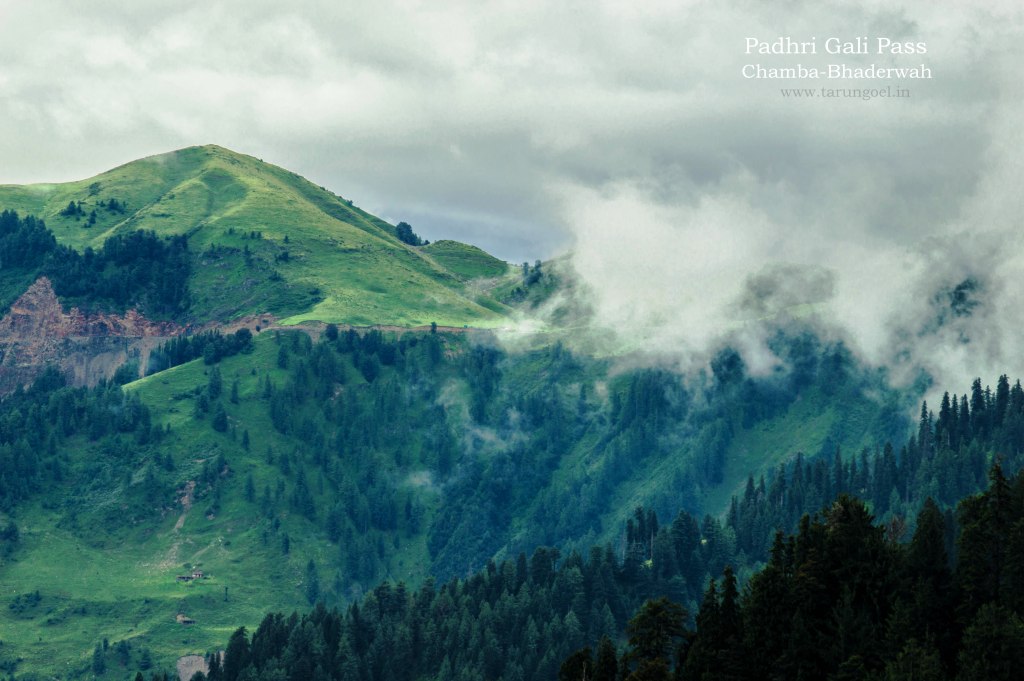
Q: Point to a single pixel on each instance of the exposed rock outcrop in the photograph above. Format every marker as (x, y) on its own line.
(86, 347)
(38, 314)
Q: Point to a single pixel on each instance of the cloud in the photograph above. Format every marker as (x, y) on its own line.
(858, 217)
(696, 201)
(444, 114)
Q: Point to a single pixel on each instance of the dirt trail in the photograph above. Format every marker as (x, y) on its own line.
(186, 503)
(314, 329)
(268, 322)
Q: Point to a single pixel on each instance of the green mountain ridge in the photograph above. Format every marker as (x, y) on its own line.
(375, 456)
(267, 241)
(304, 463)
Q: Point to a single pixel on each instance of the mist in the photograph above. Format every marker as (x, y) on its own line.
(893, 226)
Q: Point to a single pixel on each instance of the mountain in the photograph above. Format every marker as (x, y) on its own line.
(265, 241)
(296, 465)
(842, 598)
(175, 405)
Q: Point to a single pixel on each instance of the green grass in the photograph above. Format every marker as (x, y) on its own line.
(807, 425)
(754, 451)
(123, 576)
(343, 265)
(465, 260)
(101, 575)
(13, 282)
(804, 427)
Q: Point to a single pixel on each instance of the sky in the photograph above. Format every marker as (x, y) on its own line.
(694, 201)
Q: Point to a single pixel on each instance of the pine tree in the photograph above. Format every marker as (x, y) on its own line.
(915, 661)
(654, 631)
(1002, 401)
(578, 667)
(237, 655)
(966, 419)
(606, 666)
(981, 546)
(215, 671)
(993, 646)
(979, 414)
(215, 384)
(99, 661)
(312, 583)
(220, 419)
(731, 654)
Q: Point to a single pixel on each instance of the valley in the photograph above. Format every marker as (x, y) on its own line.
(301, 445)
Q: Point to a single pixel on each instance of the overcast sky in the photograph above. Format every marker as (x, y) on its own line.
(623, 130)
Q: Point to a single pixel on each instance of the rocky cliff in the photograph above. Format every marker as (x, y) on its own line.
(86, 347)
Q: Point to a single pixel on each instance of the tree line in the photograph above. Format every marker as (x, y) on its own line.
(945, 459)
(843, 599)
(839, 599)
(134, 269)
(369, 407)
(39, 423)
(212, 346)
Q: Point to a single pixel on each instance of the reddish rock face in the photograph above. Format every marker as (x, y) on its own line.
(38, 314)
(37, 332)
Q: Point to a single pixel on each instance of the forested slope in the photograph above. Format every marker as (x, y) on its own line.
(839, 598)
(294, 468)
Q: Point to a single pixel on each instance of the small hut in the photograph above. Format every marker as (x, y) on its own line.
(195, 574)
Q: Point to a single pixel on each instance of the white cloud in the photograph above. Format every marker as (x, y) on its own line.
(521, 126)
(871, 211)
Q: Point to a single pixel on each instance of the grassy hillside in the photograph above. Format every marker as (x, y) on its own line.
(105, 562)
(314, 464)
(266, 241)
(415, 456)
(465, 260)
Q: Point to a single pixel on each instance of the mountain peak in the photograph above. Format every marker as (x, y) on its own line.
(196, 158)
(266, 240)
